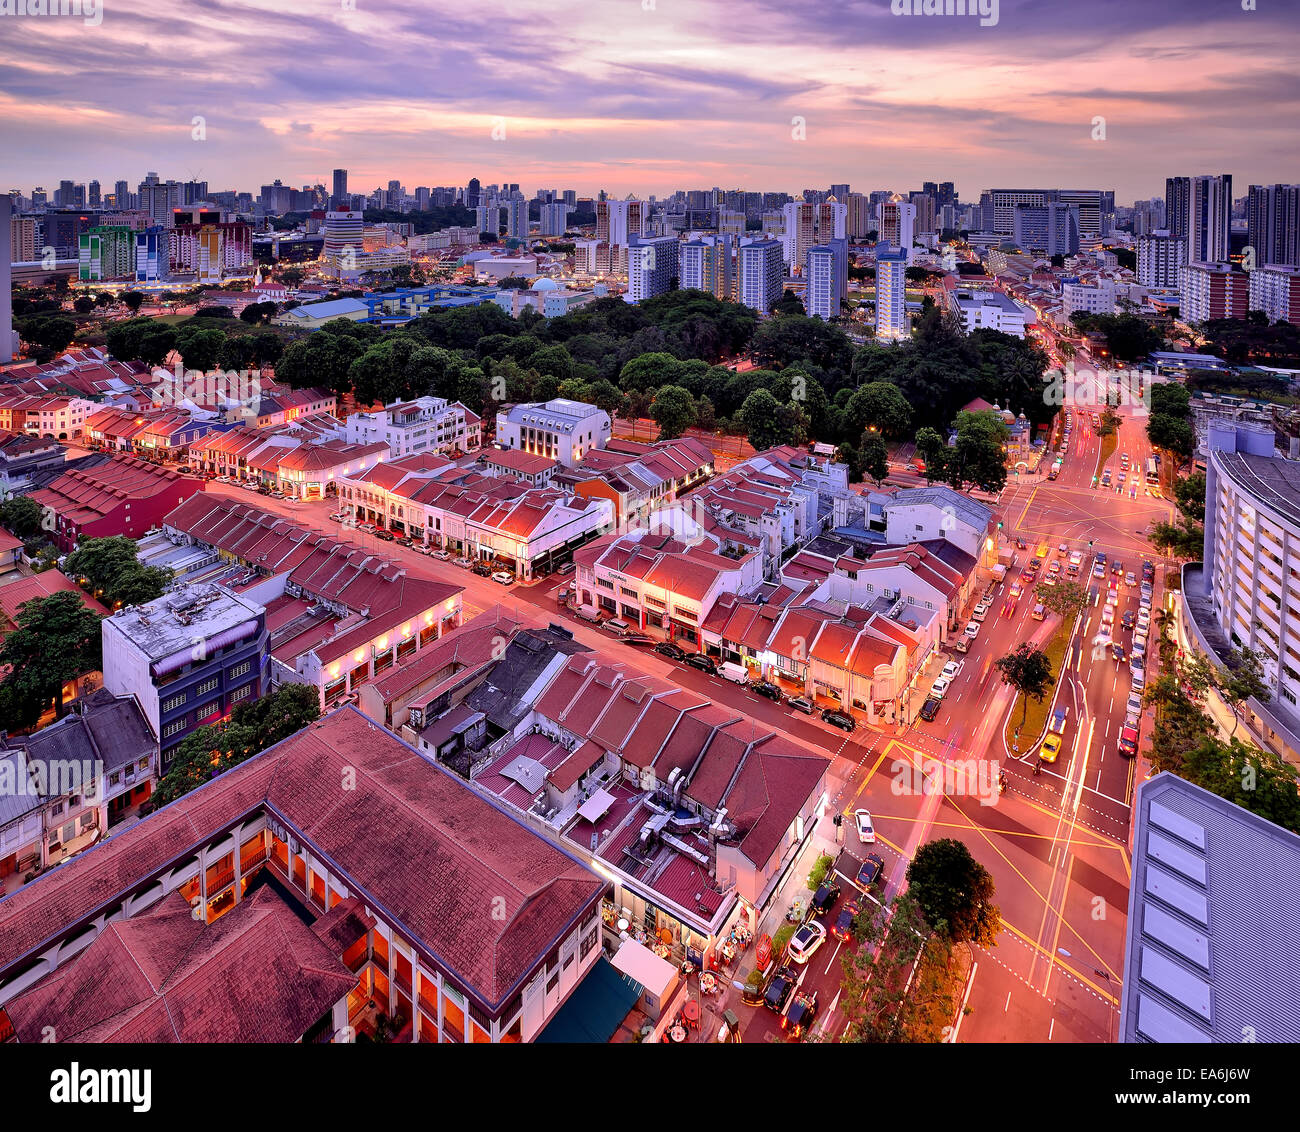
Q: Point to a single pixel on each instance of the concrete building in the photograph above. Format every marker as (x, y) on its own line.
(1273, 224)
(800, 233)
(1209, 216)
(344, 241)
(1210, 954)
(1244, 593)
(1275, 290)
(1049, 229)
(897, 224)
(759, 276)
(1212, 291)
(7, 343)
(427, 424)
(652, 267)
(188, 658)
(560, 430)
(921, 514)
(1094, 297)
(707, 264)
(891, 281)
(826, 274)
(991, 309)
(1160, 256)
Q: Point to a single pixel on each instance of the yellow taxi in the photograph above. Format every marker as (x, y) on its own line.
(1051, 748)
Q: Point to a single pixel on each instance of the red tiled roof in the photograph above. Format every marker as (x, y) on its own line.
(13, 594)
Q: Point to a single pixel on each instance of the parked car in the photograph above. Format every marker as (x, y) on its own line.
(930, 709)
(670, 650)
(840, 719)
(338, 516)
(779, 988)
(961, 645)
(769, 690)
(866, 830)
(802, 703)
(404, 541)
(441, 555)
(951, 669)
(939, 688)
(805, 942)
(703, 663)
(870, 872)
(462, 562)
(385, 536)
(972, 629)
(1128, 742)
(1134, 706)
(565, 568)
(1148, 572)
(825, 897)
(503, 577)
(1130, 579)
(642, 639)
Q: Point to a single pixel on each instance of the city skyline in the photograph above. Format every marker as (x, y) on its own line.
(648, 104)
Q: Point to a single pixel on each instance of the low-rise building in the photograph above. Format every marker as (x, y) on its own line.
(560, 429)
(427, 424)
(988, 309)
(522, 466)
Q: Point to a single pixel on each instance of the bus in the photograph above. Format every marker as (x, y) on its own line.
(1153, 471)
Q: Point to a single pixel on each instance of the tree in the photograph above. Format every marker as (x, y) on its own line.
(133, 300)
(758, 416)
(199, 349)
(1172, 434)
(83, 304)
(879, 405)
(955, 892)
(1241, 678)
(931, 448)
(56, 640)
(875, 458)
(673, 410)
(109, 568)
(21, 516)
(649, 371)
(1190, 494)
(252, 728)
(978, 457)
(1029, 671)
(1065, 598)
(1179, 540)
(52, 334)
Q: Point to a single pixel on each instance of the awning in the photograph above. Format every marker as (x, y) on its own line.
(595, 1008)
(595, 807)
(638, 962)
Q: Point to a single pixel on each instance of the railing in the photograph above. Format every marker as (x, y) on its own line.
(224, 879)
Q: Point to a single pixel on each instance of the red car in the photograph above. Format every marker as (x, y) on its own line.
(1009, 608)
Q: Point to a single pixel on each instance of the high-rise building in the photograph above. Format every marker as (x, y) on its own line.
(826, 275)
(555, 219)
(106, 252)
(942, 192)
(1050, 229)
(92, 195)
(800, 233)
(1273, 223)
(194, 192)
(570, 197)
(897, 224)
(1160, 256)
(857, 219)
(65, 197)
(123, 198)
(759, 276)
(472, 192)
(341, 231)
(516, 217)
(22, 239)
(6, 293)
(1212, 291)
(652, 267)
(1178, 198)
(151, 254)
(340, 193)
(1096, 208)
(839, 192)
(925, 211)
(202, 243)
(422, 199)
(1208, 219)
(1275, 290)
(706, 265)
(831, 220)
(38, 197)
(891, 305)
(618, 221)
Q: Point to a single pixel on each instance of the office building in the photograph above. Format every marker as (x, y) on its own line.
(826, 275)
(1178, 203)
(891, 280)
(1212, 291)
(1097, 297)
(925, 211)
(188, 658)
(515, 211)
(857, 219)
(6, 293)
(1160, 257)
(707, 265)
(1049, 229)
(339, 195)
(555, 219)
(343, 240)
(561, 430)
(1273, 223)
(1096, 208)
(1209, 214)
(123, 198)
(652, 267)
(839, 192)
(760, 274)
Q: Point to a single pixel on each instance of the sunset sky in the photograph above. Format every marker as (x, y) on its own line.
(648, 96)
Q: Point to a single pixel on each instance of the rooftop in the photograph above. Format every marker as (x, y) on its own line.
(181, 617)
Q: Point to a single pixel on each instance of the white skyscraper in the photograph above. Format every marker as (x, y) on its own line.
(826, 273)
(1159, 256)
(891, 307)
(897, 224)
(800, 233)
(1209, 211)
(555, 219)
(6, 296)
(760, 274)
(651, 267)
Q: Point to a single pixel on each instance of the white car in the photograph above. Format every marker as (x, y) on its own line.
(504, 577)
(972, 629)
(951, 669)
(866, 831)
(1134, 704)
(805, 942)
(939, 688)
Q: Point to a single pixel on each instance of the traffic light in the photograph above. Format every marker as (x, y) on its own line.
(1090, 544)
(999, 524)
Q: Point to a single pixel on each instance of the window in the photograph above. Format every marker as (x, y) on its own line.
(173, 703)
(240, 693)
(174, 728)
(114, 778)
(240, 669)
(588, 942)
(552, 982)
(143, 764)
(208, 686)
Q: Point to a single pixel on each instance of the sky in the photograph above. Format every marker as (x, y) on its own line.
(649, 96)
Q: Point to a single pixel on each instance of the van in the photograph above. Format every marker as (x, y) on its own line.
(587, 615)
(734, 672)
(617, 625)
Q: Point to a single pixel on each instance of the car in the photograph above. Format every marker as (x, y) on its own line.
(1015, 591)
(1128, 742)
(930, 709)
(767, 689)
(1101, 557)
(961, 645)
(866, 830)
(843, 926)
(1148, 572)
(840, 719)
(779, 988)
(1117, 651)
(1099, 570)
(979, 613)
(1008, 607)
(952, 668)
(1139, 679)
(1051, 580)
(1051, 748)
(1134, 706)
(462, 562)
(806, 940)
(801, 1015)
(642, 639)
(1040, 612)
(801, 703)
(405, 541)
(703, 663)
(1123, 476)
(483, 569)
(972, 629)
(670, 650)
(939, 688)
(1139, 644)
(1055, 568)
(870, 872)
(1061, 549)
(337, 516)
(385, 536)
(1129, 619)
(824, 899)
(503, 577)
(1145, 590)
(440, 555)
(1107, 614)
(1144, 619)
(1116, 567)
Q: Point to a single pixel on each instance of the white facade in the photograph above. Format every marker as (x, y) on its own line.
(1092, 299)
(827, 279)
(427, 424)
(651, 267)
(990, 309)
(560, 430)
(555, 219)
(891, 308)
(1159, 257)
(1275, 290)
(760, 275)
(921, 514)
(897, 224)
